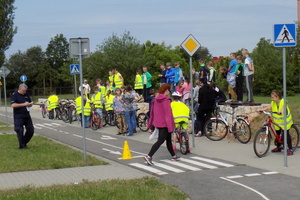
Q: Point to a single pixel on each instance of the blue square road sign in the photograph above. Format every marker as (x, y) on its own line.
(285, 35)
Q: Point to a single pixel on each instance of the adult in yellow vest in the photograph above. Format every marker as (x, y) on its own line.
(181, 113)
(53, 103)
(98, 100)
(277, 106)
(118, 81)
(109, 100)
(87, 110)
(138, 83)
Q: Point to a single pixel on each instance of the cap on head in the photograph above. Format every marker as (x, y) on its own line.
(85, 81)
(176, 94)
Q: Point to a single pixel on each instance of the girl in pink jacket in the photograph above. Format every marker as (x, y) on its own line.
(162, 118)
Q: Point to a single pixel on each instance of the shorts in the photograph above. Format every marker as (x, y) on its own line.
(99, 111)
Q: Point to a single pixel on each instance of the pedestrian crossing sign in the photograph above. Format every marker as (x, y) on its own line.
(74, 69)
(285, 35)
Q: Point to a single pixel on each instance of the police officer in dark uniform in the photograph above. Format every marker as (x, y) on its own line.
(21, 103)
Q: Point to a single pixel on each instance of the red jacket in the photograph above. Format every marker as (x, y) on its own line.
(161, 113)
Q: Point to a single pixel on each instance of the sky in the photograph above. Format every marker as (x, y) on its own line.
(222, 26)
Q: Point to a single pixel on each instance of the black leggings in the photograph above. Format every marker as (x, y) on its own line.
(289, 140)
(163, 135)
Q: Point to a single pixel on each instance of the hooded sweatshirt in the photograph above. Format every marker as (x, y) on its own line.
(161, 113)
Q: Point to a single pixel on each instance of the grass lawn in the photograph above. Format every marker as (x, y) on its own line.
(136, 189)
(42, 153)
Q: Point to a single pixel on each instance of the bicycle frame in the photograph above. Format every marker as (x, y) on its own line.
(269, 125)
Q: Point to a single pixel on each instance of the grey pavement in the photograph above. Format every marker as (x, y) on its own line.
(232, 151)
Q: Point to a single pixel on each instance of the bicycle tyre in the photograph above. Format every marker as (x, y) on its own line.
(65, 115)
(104, 119)
(243, 131)
(95, 121)
(294, 133)
(142, 122)
(44, 113)
(261, 143)
(215, 129)
(184, 143)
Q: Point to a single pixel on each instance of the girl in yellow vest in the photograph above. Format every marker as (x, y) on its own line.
(109, 100)
(277, 106)
(138, 83)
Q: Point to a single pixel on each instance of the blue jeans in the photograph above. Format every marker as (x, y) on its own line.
(133, 120)
(129, 116)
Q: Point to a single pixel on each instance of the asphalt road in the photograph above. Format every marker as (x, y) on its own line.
(214, 170)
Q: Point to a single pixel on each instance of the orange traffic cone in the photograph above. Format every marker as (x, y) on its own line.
(126, 151)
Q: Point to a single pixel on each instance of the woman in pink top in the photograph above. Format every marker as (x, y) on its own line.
(186, 97)
(162, 118)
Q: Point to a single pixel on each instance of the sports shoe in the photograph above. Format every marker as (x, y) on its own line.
(290, 152)
(148, 159)
(276, 150)
(175, 158)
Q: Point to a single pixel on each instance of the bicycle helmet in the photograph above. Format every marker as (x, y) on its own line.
(176, 94)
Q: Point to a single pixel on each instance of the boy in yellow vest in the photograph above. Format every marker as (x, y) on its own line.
(181, 113)
(53, 103)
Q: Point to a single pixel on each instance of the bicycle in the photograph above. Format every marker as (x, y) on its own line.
(182, 138)
(68, 111)
(44, 110)
(217, 128)
(263, 137)
(95, 120)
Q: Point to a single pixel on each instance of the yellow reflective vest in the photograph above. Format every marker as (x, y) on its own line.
(109, 100)
(87, 106)
(53, 102)
(98, 100)
(180, 112)
(138, 82)
(111, 80)
(279, 119)
(118, 82)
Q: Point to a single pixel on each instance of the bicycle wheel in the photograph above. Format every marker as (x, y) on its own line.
(294, 133)
(215, 129)
(142, 122)
(44, 113)
(243, 131)
(184, 143)
(65, 115)
(104, 119)
(261, 143)
(95, 121)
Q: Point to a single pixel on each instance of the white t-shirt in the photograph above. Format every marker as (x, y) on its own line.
(248, 61)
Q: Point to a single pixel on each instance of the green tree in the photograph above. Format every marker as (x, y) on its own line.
(57, 55)
(7, 26)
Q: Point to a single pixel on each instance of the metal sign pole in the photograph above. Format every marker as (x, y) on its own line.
(5, 102)
(75, 86)
(82, 105)
(192, 102)
(284, 106)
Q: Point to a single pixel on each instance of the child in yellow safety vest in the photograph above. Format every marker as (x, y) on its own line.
(53, 102)
(180, 113)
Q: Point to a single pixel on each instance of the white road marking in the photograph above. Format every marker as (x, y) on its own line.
(167, 167)
(177, 163)
(212, 161)
(235, 176)
(148, 168)
(198, 163)
(111, 151)
(245, 186)
(269, 173)
(253, 174)
(106, 137)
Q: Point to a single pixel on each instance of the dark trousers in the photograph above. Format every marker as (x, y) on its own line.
(239, 90)
(146, 93)
(139, 91)
(163, 135)
(203, 116)
(289, 140)
(248, 82)
(19, 128)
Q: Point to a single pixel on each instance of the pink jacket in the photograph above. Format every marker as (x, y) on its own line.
(161, 113)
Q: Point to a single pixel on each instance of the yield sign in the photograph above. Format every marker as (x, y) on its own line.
(190, 45)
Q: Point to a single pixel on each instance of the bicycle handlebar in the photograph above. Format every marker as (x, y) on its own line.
(267, 113)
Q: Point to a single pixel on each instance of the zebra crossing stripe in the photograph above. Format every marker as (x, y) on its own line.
(167, 167)
(253, 174)
(269, 173)
(212, 161)
(148, 168)
(198, 163)
(177, 163)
